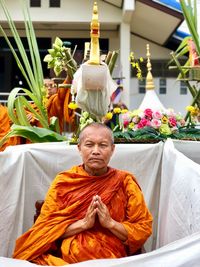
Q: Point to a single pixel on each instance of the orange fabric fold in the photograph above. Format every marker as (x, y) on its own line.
(67, 201)
(5, 128)
(57, 105)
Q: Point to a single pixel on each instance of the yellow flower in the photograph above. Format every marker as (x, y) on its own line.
(131, 125)
(136, 112)
(131, 56)
(117, 110)
(73, 140)
(190, 108)
(141, 59)
(164, 119)
(109, 115)
(193, 110)
(139, 76)
(124, 110)
(72, 105)
(165, 129)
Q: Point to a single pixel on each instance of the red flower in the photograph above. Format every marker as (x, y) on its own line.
(148, 113)
(172, 121)
(144, 122)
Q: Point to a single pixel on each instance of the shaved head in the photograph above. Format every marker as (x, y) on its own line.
(96, 126)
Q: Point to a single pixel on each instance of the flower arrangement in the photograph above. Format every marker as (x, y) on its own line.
(149, 125)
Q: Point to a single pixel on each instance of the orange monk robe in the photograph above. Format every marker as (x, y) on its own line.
(67, 201)
(57, 105)
(5, 128)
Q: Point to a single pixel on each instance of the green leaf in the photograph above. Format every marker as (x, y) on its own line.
(21, 114)
(36, 134)
(13, 114)
(48, 58)
(58, 42)
(54, 124)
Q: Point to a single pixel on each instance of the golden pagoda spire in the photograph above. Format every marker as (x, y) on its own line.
(149, 78)
(94, 34)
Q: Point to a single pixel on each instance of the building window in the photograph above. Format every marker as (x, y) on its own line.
(163, 87)
(35, 3)
(183, 88)
(54, 3)
(141, 84)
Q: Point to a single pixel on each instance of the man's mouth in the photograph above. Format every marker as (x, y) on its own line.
(95, 159)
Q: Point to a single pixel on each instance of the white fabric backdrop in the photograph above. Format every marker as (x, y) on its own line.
(179, 206)
(182, 253)
(27, 171)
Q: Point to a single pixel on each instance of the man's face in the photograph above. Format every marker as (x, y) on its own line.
(96, 149)
(50, 86)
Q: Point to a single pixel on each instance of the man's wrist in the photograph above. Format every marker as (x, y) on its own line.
(84, 224)
(111, 224)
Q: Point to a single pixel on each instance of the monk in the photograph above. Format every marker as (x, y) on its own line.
(5, 128)
(57, 104)
(58, 100)
(94, 211)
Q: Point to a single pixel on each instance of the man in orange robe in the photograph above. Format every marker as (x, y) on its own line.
(95, 211)
(5, 128)
(57, 104)
(58, 100)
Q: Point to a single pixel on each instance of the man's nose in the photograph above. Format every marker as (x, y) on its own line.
(95, 149)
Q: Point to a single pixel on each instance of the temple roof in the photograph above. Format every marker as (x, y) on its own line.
(147, 14)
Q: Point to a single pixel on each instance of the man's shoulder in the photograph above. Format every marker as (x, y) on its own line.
(127, 177)
(68, 172)
(123, 172)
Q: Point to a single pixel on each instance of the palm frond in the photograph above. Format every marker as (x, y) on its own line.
(30, 69)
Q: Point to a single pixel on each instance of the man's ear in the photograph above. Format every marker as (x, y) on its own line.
(79, 148)
(113, 148)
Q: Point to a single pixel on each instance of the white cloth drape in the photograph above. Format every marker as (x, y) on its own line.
(179, 207)
(170, 181)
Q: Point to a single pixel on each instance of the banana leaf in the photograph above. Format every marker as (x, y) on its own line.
(35, 134)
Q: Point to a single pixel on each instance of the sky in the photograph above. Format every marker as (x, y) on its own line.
(184, 28)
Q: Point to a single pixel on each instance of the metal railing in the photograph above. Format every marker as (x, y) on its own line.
(4, 95)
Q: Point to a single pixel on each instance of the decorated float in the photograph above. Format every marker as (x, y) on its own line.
(89, 88)
(168, 172)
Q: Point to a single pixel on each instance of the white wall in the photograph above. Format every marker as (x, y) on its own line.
(78, 11)
(138, 46)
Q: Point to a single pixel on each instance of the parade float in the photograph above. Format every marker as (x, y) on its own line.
(89, 87)
(168, 172)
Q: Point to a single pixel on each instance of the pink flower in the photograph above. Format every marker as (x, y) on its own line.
(144, 122)
(182, 122)
(136, 119)
(126, 118)
(155, 123)
(172, 121)
(157, 115)
(148, 113)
